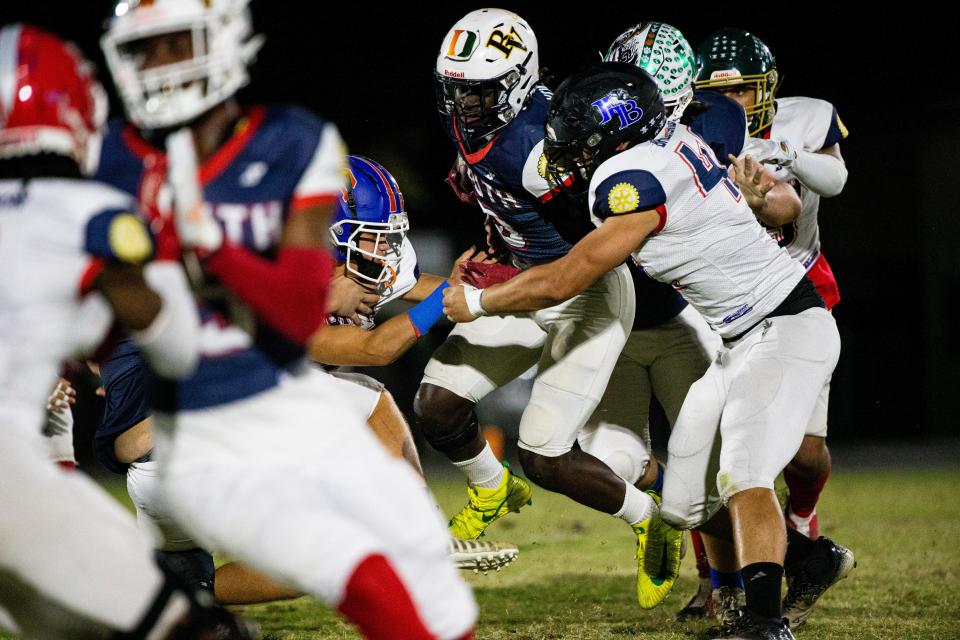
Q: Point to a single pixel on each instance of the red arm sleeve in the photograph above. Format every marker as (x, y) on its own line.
(288, 294)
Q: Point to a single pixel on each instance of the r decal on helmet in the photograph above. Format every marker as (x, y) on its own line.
(506, 42)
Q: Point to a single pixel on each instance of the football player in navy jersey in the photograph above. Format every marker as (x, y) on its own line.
(75, 257)
(665, 357)
(259, 451)
(494, 109)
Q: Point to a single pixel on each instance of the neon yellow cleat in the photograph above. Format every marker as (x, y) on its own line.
(487, 505)
(658, 558)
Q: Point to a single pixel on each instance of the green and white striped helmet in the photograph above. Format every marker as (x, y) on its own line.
(663, 52)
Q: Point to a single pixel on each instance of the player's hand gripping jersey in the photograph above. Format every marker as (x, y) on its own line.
(810, 125)
(278, 161)
(407, 274)
(716, 255)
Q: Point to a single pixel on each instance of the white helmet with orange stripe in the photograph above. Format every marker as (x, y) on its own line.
(173, 60)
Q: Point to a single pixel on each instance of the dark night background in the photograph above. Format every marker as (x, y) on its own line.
(890, 236)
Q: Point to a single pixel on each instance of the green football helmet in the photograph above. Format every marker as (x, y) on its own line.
(663, 52)
(732, 57)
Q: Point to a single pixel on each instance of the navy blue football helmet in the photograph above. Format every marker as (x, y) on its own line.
(369, 223)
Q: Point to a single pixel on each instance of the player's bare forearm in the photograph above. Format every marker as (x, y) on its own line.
(603, 249)
(349, 345)
(134, 303)
(425, 285)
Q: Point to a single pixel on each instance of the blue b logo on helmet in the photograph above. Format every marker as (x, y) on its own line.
(615, 104)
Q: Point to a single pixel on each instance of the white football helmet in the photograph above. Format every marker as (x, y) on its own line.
(663, 52)
(487, 65)
(160, 94)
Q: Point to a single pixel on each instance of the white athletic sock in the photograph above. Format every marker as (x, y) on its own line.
(637, 506)
(484, 470)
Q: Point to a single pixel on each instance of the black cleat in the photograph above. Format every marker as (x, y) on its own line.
(700, 606)
(744, 624)
(809, 578)
(207, 621)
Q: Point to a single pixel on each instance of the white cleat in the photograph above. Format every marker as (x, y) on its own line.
(481, 556)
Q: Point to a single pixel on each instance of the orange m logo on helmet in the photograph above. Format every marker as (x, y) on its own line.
(462, 44)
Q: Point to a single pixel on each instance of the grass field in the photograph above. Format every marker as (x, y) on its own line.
(575, 574)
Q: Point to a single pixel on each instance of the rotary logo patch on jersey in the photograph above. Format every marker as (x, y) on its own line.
(628, 192)
(843, 129)
(129, 238)
(542, 166)
(623, 198)
(120, 236)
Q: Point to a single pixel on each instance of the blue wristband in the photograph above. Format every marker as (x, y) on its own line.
(426, 314)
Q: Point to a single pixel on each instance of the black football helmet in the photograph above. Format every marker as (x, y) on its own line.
(733, 57)
(594, 112)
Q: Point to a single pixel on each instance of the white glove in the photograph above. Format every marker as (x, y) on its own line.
(196, 227)
(59, 418)
(776, 152)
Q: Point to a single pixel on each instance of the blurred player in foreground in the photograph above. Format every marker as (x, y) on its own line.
(258, 451)
(74, 257)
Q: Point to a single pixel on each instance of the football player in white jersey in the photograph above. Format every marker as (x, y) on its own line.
(72, 255)
(799, 138)
(672, 352)
(657, 193)
(259, 452)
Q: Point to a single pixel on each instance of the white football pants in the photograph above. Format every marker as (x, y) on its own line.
(575, 345)
(292, 482)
